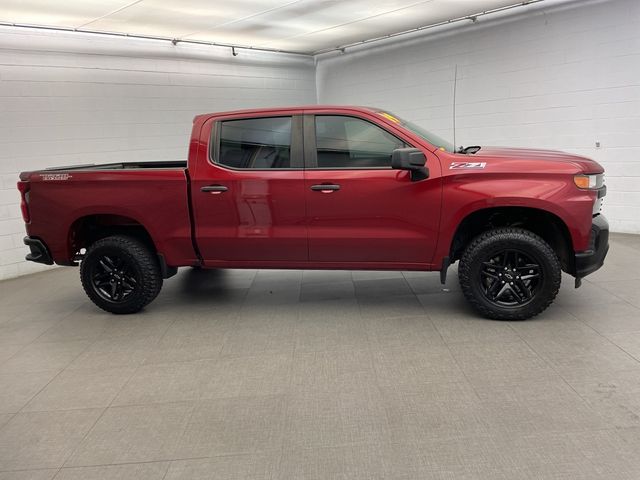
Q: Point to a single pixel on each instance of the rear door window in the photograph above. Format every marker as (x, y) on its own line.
(255, 143)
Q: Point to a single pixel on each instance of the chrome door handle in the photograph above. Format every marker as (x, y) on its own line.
(325, 187)
(215, 189)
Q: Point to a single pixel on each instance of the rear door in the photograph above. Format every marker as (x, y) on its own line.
(362, 212)
(248, 191)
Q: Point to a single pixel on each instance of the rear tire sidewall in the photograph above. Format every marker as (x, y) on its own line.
(490, 246)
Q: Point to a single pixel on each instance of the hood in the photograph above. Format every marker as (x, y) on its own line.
(583, 163)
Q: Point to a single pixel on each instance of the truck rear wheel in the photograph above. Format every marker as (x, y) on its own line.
(120, 274)
(509, 274)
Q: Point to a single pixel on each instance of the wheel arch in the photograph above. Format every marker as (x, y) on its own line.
(550, 227)
(87, 229)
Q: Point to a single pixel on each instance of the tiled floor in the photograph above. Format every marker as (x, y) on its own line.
(320, 375)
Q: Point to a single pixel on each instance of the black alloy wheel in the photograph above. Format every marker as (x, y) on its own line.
(509, 274)
(510, 278)
(113, 278)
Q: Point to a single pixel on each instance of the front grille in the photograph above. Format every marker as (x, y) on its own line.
(602, 191)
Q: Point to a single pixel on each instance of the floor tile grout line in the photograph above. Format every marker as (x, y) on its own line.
(84, 437)
(560, 376)
(604, 337)
(33, 341)
(466, 378)
(637, 359)
(38, 469)
(288, 396)
(449, 345)
(22, 347)
(53, 378)
(194, 404)
(610, 292)
(60, 320)
(151, 404)
(167, 460)
(90, 429)
(12, 416)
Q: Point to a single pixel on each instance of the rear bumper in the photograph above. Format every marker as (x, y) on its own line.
(39, 252)
(592, 259)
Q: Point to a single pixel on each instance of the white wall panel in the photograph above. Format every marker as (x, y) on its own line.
(559, 76)
(68, 99)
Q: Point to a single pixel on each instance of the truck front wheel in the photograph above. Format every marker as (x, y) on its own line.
(120, 274)
(509, 274)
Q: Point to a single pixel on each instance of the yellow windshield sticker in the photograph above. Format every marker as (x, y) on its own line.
(388, 116)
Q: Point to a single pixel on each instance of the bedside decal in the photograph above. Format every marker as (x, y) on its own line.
(54, 176)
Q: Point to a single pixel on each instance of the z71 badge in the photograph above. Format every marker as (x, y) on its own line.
(473, 165)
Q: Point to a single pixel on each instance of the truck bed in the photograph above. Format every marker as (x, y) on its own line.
(153, 195)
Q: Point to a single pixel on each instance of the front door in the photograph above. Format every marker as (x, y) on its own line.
(248, 193)
(361, 212)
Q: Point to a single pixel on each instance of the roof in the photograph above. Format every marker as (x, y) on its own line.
(296, 108)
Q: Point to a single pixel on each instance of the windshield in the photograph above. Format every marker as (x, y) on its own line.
(430, 137)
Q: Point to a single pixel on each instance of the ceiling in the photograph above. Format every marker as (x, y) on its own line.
(307, 26)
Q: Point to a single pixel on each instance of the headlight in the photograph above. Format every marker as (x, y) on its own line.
(589, 182)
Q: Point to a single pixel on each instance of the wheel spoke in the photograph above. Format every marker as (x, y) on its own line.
(489, 269)
(505, 258)
(103, 263)
(501, 292)
(524, 289)
(492, 292)
(516, 294)
(100, 276)
(510, 278)
(114, 278)
(529, 271)
(118, 263)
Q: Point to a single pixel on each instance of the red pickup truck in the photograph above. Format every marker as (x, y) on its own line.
(324, 187)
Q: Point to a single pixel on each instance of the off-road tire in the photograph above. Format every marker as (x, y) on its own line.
(140, 261)
(487, 245)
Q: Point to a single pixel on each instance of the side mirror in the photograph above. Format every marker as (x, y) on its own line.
(411, 159)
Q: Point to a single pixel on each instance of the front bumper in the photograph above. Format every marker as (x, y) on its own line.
(39, 251)
(592, 259)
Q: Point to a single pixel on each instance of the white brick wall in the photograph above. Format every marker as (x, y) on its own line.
(67, 98)
(558, 76)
